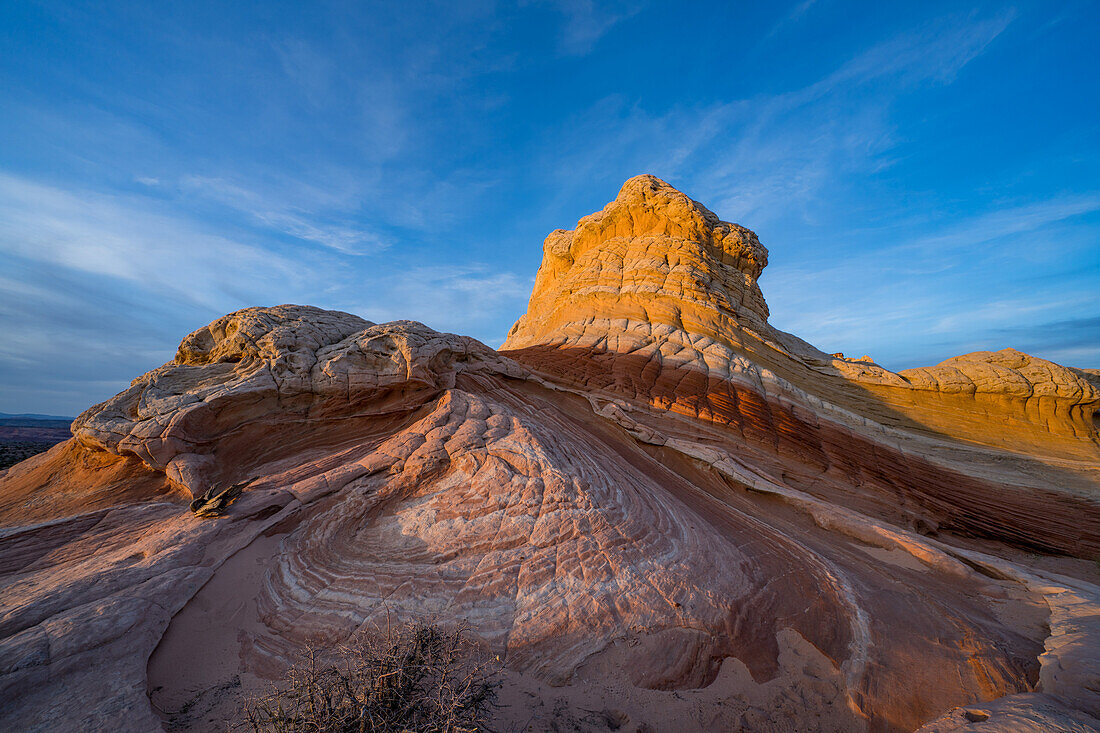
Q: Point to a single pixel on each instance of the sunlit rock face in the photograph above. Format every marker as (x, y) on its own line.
(653, 256)
(651, 505)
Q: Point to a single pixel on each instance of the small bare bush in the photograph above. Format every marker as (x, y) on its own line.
(420, 678)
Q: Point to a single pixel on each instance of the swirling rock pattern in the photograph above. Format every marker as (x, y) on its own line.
(657, 509)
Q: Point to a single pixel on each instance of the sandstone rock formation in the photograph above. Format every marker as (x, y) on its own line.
(662, 512)
(649, 300)
(657, 277)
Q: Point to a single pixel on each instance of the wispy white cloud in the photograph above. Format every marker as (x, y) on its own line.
(1006, 313)
(937, 52)
(96, 289)
(791, 146)
(778, 155)
(1004, 222)
(467, 299)
(310, 71)
(586, 21)
(956, 287)
(792, 16)
(129, 239)
(280, 216)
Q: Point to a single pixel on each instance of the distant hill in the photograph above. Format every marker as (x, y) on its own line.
(52, 422)
(25, 435)
(33, 416)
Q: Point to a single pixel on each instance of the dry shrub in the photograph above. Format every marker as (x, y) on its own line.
(420, 678)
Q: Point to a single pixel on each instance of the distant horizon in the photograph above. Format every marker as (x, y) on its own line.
(927, 180)
(34, 416)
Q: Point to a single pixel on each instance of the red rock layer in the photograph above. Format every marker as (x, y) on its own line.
(892, 483)
(69, 479)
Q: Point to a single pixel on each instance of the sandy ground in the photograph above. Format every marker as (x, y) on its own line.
(196, 680)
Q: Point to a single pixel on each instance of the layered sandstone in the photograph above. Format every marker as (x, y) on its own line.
(652, 256)
(660, 511)
(648, 301)
(657, 275)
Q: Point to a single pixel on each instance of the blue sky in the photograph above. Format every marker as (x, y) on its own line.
(926, 175)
